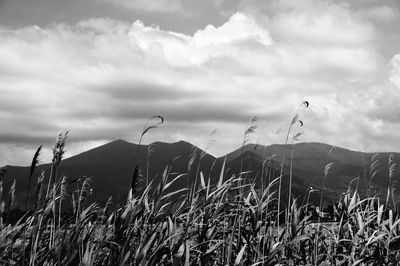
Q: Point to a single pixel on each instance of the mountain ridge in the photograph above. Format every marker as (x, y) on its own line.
(111, 166)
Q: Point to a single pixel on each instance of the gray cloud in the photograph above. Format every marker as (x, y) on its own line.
(102, 78)
(140, 91)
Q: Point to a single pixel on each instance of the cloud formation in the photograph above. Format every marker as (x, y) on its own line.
(149, 5)
(102, 78)
(180, 50)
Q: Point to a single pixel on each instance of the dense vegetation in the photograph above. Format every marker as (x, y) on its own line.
(232, 222)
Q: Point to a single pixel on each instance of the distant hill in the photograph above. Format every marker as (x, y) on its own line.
(310, 159)
(111, 166)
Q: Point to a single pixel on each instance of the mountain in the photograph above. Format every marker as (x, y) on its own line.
(111, 166)
(309, 160)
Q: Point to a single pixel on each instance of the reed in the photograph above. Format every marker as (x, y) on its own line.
(209, 225)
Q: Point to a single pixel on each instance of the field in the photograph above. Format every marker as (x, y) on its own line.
(232, 222)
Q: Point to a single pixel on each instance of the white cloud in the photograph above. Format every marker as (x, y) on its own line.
(331, 26)
(395, 74)
(211, 42)
(102, 78)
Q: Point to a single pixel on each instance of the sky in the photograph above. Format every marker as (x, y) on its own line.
(100, 68)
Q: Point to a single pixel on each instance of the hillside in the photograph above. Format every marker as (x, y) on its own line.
(310, 159)
(110, 167)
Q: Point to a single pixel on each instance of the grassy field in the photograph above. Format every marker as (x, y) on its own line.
(230, 223)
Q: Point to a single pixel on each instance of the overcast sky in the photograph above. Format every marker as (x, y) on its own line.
(100, 68)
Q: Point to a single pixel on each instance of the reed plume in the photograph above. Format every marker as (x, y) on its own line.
(39, 189)
(12, 196)
(34, 163)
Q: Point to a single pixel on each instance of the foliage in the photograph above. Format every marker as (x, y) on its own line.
(232, 222)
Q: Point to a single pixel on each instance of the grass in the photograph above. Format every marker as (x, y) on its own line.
(208, 225)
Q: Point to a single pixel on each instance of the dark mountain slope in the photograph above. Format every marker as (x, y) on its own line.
(111, 166)
(310, 159)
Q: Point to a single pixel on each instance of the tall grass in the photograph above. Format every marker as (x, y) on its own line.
(295, 119)
(201, 230)
(210, 225)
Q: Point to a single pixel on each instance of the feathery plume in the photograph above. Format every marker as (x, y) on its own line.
(34, 163)
(249, 130)
(151, 149)
(392, 166)
(63, 188)
(84, 191)
(193, 156)
(155, 125)
(296, 137)
(58, 149)
(294, 119)
(392, 169)
(327, 168)
(135, 180)
(39, 189)
(375, 166)
(12, 196)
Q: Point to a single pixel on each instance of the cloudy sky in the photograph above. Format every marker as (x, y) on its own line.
(100, 68)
